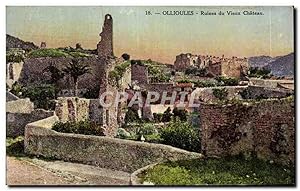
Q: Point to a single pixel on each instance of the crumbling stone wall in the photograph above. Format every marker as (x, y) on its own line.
(254, 92)
(78, 109)
(231, 67)
(206, 94)
(105, 152)
(184, 61)
(33, 72)
(13, 72)
(105, 46)
(139, 74)
(265, 129)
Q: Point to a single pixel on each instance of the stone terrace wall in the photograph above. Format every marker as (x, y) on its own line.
(16, 122)
(33, 72)
(206, 94)
(267, 82)
(254, 92)
(265, 128)
(104, 152)
(139, 73)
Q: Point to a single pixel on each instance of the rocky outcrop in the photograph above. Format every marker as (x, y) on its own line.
(14, 42)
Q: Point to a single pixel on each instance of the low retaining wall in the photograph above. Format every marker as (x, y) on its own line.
(206, 94)
(104, 152)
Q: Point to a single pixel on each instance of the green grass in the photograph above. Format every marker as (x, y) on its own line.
(15, 146)
(52, 52)
(225, 171)
(49, 52)
(78, 54)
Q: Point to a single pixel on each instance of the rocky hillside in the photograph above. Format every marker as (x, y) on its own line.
(279, 66)
(14, 42)
(282, 66)
(260, 61)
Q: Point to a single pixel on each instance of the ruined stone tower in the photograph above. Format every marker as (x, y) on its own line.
(105, 46)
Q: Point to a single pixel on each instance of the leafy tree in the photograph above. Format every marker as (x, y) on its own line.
(221, 94)
(227, 81)
(182, 135)
(167, 115)
(259, 72)
(131, 116)
(181, 113)
(78, 46)
(76, 69)
(55, 75)
(126, 56)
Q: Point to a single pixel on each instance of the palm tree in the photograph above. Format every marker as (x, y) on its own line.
(76, 69)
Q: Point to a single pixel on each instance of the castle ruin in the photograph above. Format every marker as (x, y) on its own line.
(219, 66)
(105, 46)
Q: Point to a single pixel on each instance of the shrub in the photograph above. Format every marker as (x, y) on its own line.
(16, 89)
(167, 115)
(157, 75)
(184, 81)
(227, 81)
(203, 84)
(245, 94)
(117, 73)
(181, 113)
(15, 146)
(42, 96)
(259, 72)
(14, 58)
(15, 55)
(157, 117)
(196, 71)
(147, 129)
(182, 135)
(123, 134)
(77, 54)
(221, 94)
(138, 62)
(154, 138)
(126, 56)
(131, 116)
(92, 93)
(81, 127)
(78, 46)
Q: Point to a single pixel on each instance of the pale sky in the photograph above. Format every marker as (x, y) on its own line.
(158, 37)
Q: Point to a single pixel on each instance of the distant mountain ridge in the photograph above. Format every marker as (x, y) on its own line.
(14, 42)
(260, 61)
(282, 66)
(279, 65)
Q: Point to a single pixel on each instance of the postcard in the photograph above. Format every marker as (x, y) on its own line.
(150, 96)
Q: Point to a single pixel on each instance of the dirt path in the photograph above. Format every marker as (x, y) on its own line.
(25, 171)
